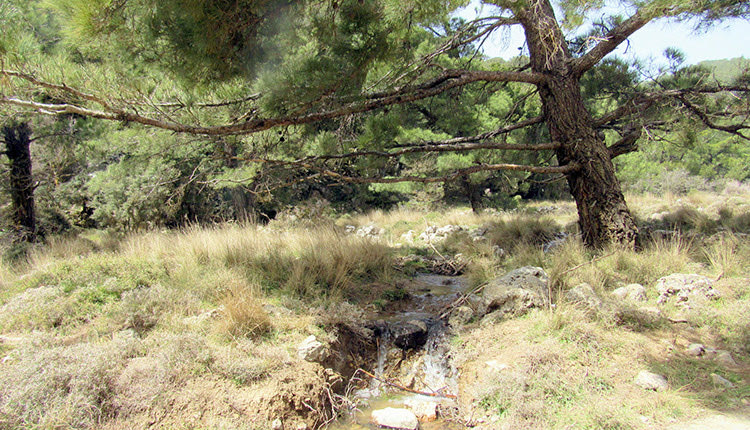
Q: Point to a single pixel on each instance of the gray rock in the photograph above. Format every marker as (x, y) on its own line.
(312, 350)
(559, 240)
(651, 381)
(632, 292)
(695, 350)
(497, 251)
(203, 316)
(371, 231)
(583, 294)
(409, 335)
(725, 358)
(709, 352)
(720, 381)
(460, 316)
(408, 237)
(685, 288)
(436, 234)
(395, 418)
(518, 291)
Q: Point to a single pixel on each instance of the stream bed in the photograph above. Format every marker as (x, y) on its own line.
(412, 354)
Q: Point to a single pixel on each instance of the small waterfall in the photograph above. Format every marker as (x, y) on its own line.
(414, 365)
(438, 375)
(384, 343)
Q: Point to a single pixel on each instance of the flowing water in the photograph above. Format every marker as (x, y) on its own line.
(426, 369)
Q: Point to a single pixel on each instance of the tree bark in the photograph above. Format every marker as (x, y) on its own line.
(472, 193)
(603, 215)
(17, 142)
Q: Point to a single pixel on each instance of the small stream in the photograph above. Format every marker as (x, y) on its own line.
(425, 367)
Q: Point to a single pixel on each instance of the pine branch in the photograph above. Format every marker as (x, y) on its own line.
(420, 179)
(448, 80)
(610, 42)
(734, 129)
(628, 143)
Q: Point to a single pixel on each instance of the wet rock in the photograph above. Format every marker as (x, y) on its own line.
(584, 295)
(695, 350)
(312, 350)
(518, 291)
(460, 316)
(425, 410)
(409, 335)
(632, 292)
(378, 327)
(725, 358)
(720, 381)
(685, 289)
(395, 418)
(651, 381)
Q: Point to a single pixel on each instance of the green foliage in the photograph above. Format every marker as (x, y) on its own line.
(133, 201)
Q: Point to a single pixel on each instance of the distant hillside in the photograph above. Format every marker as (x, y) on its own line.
(725, 71)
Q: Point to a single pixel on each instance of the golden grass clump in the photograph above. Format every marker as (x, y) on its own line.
(242, 314)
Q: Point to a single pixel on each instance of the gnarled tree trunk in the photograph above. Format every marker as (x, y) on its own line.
(604, 217)
(17, 142)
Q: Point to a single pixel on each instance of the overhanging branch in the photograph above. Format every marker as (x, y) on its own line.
(446, 81)
(422, 179)
(734, 129)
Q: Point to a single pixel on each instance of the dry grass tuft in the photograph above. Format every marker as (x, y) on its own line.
(242, 314)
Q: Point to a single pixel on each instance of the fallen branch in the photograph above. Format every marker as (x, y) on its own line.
(401, 387)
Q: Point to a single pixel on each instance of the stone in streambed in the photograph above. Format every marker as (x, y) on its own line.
(395, 418)
(410, 334)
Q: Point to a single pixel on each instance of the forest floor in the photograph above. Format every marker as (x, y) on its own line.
(201, 328)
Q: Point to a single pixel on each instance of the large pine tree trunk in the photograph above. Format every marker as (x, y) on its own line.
(604, 217)
(17, 142)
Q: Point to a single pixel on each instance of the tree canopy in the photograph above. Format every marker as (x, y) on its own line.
(371, 91)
